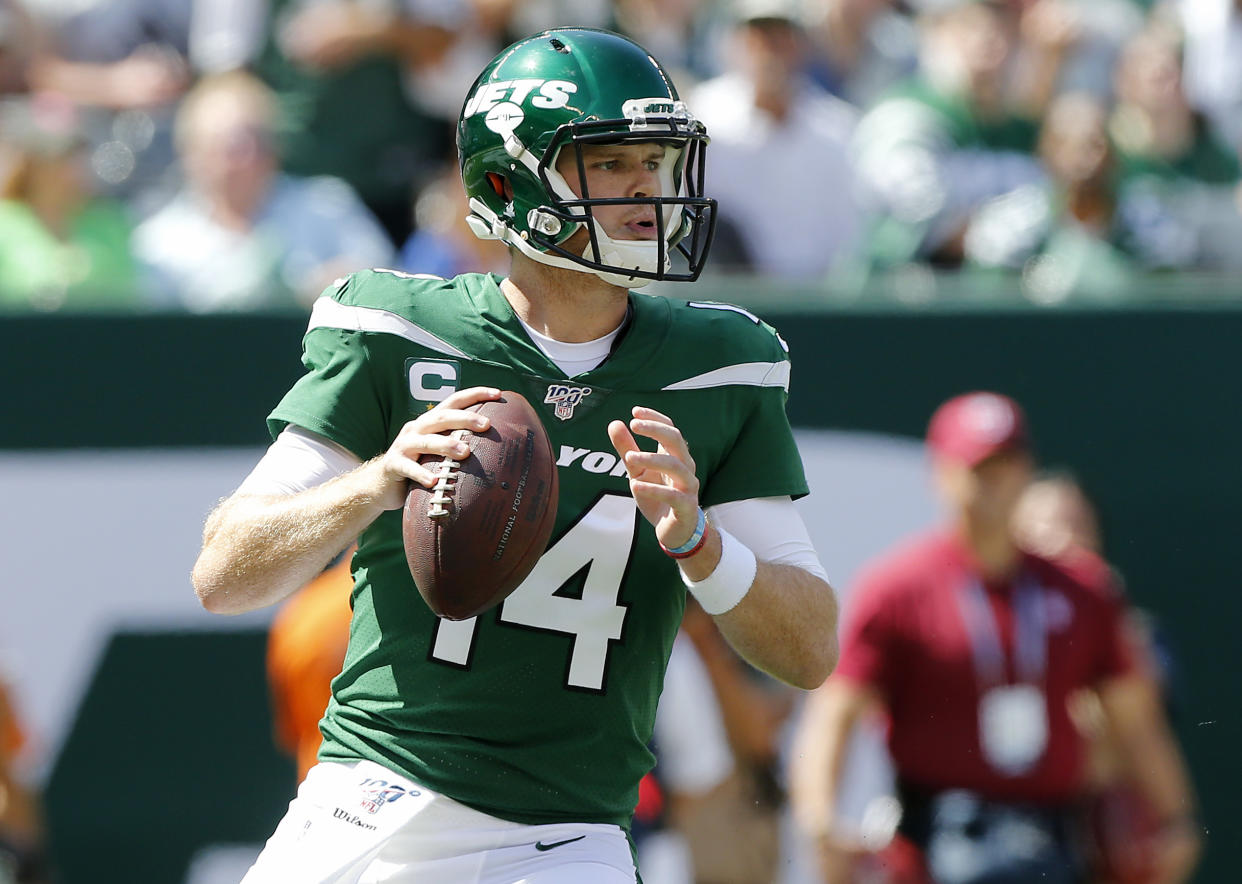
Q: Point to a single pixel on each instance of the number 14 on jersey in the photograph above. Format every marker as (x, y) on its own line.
(600, 542)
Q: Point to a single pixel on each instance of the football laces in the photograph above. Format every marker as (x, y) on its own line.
(447, 472)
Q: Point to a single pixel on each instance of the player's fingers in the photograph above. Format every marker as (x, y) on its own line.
(398, 464)
(650, 495)
(622, 440)
(673, 468)
(447, 419)
(412, 443)
(644, 413)
(467, 397)
(666, 434)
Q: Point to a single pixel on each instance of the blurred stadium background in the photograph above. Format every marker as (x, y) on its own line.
(136, 398)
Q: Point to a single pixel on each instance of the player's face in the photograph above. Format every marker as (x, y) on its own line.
(617, 171)
(987, 492)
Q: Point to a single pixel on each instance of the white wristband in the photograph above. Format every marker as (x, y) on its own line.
(721, 590)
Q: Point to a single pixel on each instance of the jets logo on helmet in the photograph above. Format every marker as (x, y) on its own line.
(561, 90)
(548, 94)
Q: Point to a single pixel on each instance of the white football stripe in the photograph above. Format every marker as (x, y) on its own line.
(748, 374)
(328, 313)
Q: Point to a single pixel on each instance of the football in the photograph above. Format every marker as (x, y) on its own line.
(472, 538)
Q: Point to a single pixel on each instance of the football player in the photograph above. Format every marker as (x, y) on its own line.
(509, 747)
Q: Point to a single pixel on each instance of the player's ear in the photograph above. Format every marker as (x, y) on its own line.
(501, 185)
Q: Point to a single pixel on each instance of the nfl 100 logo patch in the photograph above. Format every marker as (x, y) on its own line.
(565, 398)
(377, 793)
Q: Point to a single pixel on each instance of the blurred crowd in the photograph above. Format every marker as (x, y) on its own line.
(225, 155)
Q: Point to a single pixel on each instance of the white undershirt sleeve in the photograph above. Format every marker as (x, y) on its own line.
(773, 529)
(296, 461)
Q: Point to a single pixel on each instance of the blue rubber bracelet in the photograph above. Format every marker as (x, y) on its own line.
(692, 545)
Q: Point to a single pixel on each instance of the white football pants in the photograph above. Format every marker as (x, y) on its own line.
(360, 823)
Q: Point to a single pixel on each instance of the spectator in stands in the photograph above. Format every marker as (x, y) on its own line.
(680, 32)
(435, 81)
(1072, 46)
(1080, 232)
(937, 147)
(442, 244)
(305, 650)
(973, 648)
(779, 160)
(338, 70)
(241, 235)
(115, 55)
(61, 245)
(861, 48)
(1171, 158)
(1212, 31)
(1158, 133)
(16, 43)
(123, 62)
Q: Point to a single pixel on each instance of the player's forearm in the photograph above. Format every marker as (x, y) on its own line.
(786, 625)
(257, 549)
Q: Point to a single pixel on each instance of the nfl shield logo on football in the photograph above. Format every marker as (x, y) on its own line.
(377, 793)
(565, 398)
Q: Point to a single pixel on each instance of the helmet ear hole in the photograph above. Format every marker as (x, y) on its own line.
(501, 185)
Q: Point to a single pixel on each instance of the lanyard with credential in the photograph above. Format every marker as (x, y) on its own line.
(1030, 634)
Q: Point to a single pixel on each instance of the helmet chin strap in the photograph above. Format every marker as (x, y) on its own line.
(639, 254)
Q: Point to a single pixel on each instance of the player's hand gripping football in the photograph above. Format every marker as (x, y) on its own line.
(430, 433)
(663, 481)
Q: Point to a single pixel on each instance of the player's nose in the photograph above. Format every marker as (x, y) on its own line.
(646, 183)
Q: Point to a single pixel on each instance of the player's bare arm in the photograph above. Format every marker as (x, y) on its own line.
(257, 549)
(786, 623)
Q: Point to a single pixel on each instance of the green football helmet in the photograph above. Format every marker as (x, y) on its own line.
(570, 87)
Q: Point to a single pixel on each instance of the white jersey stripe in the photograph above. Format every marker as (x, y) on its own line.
(328, 313)
(748, 374)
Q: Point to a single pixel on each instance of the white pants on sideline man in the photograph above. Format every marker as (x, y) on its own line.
(360, 823)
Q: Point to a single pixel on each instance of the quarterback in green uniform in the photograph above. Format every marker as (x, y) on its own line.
(508, 747)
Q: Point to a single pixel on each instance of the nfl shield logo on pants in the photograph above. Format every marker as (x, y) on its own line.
(377, 793)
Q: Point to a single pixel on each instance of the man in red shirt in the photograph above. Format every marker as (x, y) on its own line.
(972, 647)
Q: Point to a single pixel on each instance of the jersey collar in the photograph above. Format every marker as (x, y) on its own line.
(646, 325)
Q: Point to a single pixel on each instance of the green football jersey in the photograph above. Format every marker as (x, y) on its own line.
(539, 710)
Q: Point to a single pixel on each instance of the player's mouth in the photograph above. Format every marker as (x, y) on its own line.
(641, 227)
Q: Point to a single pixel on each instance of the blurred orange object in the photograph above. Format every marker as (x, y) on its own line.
(305, 650)
(12, 738)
